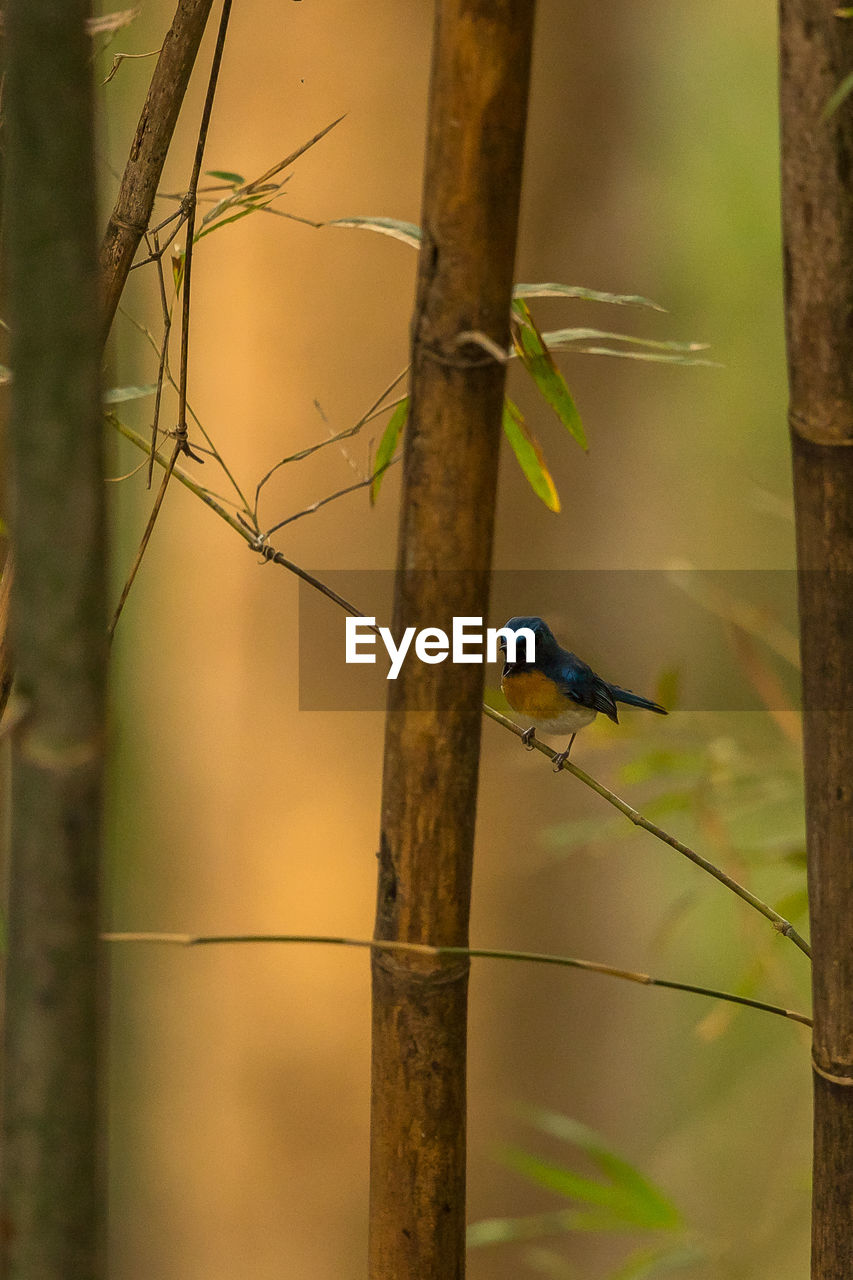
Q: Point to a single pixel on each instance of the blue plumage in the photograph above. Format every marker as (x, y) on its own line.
(558, 692)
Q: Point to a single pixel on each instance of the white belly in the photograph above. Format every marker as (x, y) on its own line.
(570, 721)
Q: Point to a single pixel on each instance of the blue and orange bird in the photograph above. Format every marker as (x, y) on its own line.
(557, 693)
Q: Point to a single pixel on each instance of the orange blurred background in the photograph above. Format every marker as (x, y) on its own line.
(239, 1075)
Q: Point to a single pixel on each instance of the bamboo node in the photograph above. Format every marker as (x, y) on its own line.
(829, 432)
(845, 1081)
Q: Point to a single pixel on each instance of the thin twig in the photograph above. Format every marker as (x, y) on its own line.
(243, 503)
(294, 155)
(339, 493)
(190, 206)
(149, 529)
(119, 58)
(276, 557)
(375, 409)
(779, 923)
(247, 533)
(164, 351)
(482, 953)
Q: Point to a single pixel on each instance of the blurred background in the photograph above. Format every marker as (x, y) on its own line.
(240, 1075)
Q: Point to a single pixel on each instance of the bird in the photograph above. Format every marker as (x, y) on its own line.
(557, 693)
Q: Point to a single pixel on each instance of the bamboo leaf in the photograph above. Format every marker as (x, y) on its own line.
(565, 337)
(387, 446)
(530, 458)
(109, 23)
(635, 1196)
(223, 222)
(533, 1226)
(539, 363)
(236, 179)
(117, 395)
(408, 232)
(651, 357)
(588, 295)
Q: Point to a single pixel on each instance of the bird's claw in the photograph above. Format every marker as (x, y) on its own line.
(562, 756)
(527, 738)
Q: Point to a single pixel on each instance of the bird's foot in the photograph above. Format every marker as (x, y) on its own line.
(527, 738)
(562, 756)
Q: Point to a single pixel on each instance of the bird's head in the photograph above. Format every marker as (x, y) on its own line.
(543, 639)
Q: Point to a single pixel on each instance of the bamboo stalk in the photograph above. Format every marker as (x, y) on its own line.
(817, 189)
(51, 1185)
(475, 139)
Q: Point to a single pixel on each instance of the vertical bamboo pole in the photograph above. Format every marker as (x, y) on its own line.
(58, 630)
(817, 191)
(475, 142)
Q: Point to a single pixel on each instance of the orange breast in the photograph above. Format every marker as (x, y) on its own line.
(534, 695)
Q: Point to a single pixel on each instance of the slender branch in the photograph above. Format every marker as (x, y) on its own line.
(779, 923)
(164, 351)
(339, 493)
(149, 529)
(376, 408)
(482, 953)
(214, 452)
(248, 534)
(190, 207)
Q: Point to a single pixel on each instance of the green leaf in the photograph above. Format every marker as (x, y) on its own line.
(387, 446)
(236, 179)
(588, 295)
(843, 91)
(539, 363)
(235, 217)
(408, 232)
(117, 395)
(530, 458)
(645, 1204)
(626, 1200)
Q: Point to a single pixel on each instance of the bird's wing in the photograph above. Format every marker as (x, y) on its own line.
(583, 686)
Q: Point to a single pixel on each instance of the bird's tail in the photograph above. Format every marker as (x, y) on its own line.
(634, 700)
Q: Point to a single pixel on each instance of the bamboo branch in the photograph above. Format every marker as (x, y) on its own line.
(482, 953)
(780, 924)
